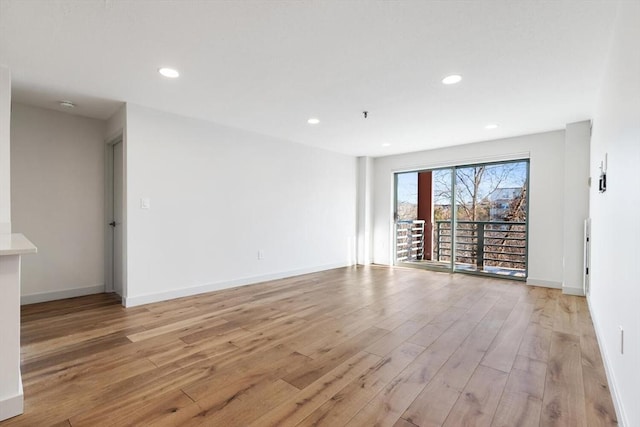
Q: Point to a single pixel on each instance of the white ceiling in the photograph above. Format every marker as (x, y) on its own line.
(267, 66)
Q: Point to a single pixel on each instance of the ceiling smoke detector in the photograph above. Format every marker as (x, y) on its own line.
(67, 104)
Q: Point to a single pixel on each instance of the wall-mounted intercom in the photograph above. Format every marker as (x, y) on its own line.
(602, 181)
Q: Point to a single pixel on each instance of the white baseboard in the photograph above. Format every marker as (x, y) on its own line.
(56, 295)
(132, 301)
(573, 291)
(615, 396)
(544, 283)
(12, 406)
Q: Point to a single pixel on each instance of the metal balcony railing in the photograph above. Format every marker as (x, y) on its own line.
(410, 240)
(483, 244)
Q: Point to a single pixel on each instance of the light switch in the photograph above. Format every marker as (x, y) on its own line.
(145, 203)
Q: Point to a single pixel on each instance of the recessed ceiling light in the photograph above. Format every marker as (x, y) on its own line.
(313, 121)
(491, 126)
(386, 144)
(169, 72)
(452, 79)
(67, 104)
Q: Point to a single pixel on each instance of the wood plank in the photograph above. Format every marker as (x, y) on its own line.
(394, 320)
(333, 358)
(82, 378)
(342, 406)
(244, 406)
(432, 406)
(387, 343)
(429, 334)
(598, 403)
(276, 362)
(348, 327)
(536, 342)
(69, 354)
(146, 387)
(521, 402)
(210, 319)
(291, 412)
(564, 401)
(566, 317)
(458, 363)
(403, 423)
(545, 307)
(478, 401)
(150, 412)
(280, 332)
(505, 347)
(222, 358)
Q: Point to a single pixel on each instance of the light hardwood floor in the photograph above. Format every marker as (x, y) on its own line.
(366, 346)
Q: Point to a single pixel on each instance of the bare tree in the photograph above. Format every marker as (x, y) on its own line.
(476, 190)
(475, 187)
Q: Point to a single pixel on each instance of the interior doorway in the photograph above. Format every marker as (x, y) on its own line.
(115, 217)
(467, 218)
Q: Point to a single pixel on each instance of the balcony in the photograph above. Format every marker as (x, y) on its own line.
(410, 241)
(495, 247)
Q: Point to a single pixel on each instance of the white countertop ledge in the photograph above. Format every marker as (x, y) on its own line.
(16, 244)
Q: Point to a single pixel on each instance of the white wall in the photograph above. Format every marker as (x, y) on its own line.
(218, 195)
(364, 209)
(546, 194)
(5, 163)
(615, 284)
(116, 124)
(576, 200)
(57, 180)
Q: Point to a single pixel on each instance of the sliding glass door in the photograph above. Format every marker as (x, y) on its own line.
(464, 218)
(424, 218)
(491, 215)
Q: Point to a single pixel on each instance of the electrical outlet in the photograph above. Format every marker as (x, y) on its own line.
(621, 340)
(260, 254)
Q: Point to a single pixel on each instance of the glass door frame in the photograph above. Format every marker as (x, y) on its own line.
(442, 267)
(451, 267)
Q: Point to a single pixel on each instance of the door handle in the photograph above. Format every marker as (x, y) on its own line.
(112, 223)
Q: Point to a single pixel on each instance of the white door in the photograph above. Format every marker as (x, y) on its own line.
(116, 224)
